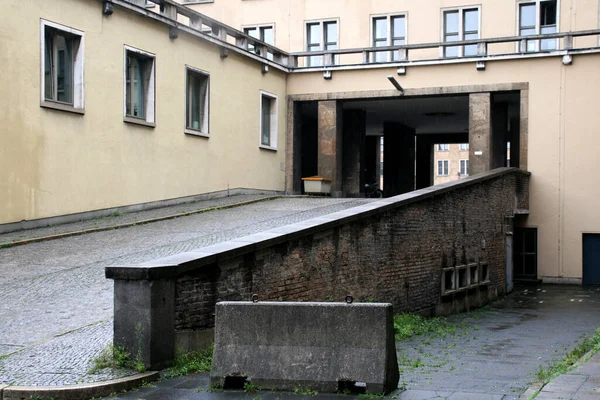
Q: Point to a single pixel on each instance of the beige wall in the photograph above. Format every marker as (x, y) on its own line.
(563, 142)
(498, 18)
(54, 162)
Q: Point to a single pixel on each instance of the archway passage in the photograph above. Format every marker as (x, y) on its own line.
(404, 143)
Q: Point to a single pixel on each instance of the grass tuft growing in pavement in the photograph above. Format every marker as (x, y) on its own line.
(191, 362)
(409, 325)
(115, 357)
(545, 375)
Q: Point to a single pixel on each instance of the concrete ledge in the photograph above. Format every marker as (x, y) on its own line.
(77, 392)
(327, 347)
(179, 264)
(562, 280)
(69, 218)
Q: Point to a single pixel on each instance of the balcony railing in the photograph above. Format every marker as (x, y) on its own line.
(180, 17)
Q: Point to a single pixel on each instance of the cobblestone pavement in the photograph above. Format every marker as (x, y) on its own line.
(56, 306)
(489, 354)
(128, 218)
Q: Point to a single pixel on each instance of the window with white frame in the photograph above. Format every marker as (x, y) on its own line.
(464, 147)
(139, 84)
(320, 36)
(442, 167)
(443, 147)
(197, 101)
(388, 30)
(461, 24)
(62, 67)
(538, 17)
(265, 33)
(268, 120)
(464, 168)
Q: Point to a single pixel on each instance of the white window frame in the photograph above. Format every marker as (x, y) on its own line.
(537, 24)
(249, 47)
(273, 121)
(443, 147)
(389, 17)
(204, 129)
(322, 23)
(461, 11)
(78, 105)
(465, 163)
(150, 101)
(463, 147)
(445, 168)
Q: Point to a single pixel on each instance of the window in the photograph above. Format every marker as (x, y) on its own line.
(197, 102)
(442, 168)
(139, 87)
(443, 147)
(464, 147)
(264, 33)
(538, 17)
(461, 24)
(388, 31)
(464, 168)
(268, 121)
(322, 35)
(62, 67)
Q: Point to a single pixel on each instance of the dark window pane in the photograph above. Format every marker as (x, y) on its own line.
(548, 13)
(266, 121)
(48, 66)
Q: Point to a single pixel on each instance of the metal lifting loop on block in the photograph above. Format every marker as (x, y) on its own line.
(349, 299)
(255, 298)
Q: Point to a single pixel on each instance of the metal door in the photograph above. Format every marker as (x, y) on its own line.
(509, 263)
(525, 254)
(591, 259)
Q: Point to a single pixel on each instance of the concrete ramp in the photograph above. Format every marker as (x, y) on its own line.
(326, 347)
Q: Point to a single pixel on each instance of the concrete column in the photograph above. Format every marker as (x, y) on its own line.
(480, 132)
(399, 159)
(293, 148)
(144, 321)
(330, 144)
(353, 155)
(424, 161)
(524, 129)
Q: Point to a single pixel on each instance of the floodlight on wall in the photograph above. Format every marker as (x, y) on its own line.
(480, 65)
(401, 71)
(396, 84)
(107, 7)
(567, 59)
(327, 75)
(265, 68)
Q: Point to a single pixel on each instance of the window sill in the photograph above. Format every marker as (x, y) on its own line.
(62, 107)
(270, 148)
(139, 121)
(194, 132)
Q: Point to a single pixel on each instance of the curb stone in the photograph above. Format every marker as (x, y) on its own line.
(77, 392)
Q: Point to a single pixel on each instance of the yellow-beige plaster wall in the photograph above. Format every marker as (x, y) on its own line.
(54, 162)
(563, 142)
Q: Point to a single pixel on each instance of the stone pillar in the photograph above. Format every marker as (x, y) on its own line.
(293, 149)
(399, 159)
(144, 320)
(424, 162)
(480, 132)
(330, 144)
(524, 129)
(353, 155)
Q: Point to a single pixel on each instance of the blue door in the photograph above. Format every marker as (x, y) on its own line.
(591, 259)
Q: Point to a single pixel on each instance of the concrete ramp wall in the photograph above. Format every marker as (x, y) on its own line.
(326, 347)
(436, 250)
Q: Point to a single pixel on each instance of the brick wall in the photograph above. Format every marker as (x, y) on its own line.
(396, 254)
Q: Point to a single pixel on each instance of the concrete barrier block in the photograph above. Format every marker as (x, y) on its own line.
(327, 347)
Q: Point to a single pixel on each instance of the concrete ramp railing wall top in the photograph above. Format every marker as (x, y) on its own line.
(403, 250)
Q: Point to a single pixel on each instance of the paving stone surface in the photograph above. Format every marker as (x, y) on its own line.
(583, 383)
(56, 306)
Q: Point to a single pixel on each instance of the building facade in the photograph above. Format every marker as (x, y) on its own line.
(164, 101)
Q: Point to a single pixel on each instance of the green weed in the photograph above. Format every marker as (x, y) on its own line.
(111, 357)
(191, 362)
(250, 387)
(305, 391)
